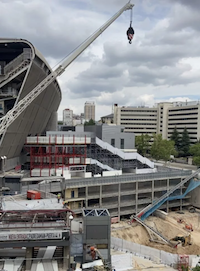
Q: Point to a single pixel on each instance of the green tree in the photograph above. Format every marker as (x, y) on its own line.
(195, 151)
(185, 143)
(175, 136)
(142, 143)
(196, 268)
(90, 122)
(162, 148)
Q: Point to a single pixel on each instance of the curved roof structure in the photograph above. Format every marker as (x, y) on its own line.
(22, 67)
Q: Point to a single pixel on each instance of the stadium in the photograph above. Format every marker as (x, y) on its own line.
(22, 67)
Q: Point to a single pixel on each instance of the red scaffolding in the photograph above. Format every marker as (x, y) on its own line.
(56, 155)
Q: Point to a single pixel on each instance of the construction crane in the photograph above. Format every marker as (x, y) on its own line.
(15, 112)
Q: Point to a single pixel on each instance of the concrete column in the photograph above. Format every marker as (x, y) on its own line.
(29, 256)
(168, 188)
(86, 197)
(66, 258)
(136, 197)
(100, 196)
(119, 199)
(181, 201)
(152, 191)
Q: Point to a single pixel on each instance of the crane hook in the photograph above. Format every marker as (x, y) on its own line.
(130, 32)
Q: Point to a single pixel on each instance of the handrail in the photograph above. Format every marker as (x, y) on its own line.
(124, 155)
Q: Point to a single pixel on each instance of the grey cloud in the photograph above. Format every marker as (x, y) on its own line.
(194, 4)
(53, 28)
(150, 62)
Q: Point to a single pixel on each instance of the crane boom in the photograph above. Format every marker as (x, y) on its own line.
(14, 113)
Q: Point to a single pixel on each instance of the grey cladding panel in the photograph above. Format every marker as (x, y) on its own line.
(97, 232)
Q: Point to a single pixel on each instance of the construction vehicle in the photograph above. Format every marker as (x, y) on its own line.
(17, 110)
(185, 240)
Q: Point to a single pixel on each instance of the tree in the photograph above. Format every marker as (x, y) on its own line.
(90, 122)
(195, 151)
(175, 136)
(162, 148)
(142, 143)
(196, 268)
(185, 143)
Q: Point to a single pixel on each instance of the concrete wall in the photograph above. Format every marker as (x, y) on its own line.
(68, 193)
(108, 132)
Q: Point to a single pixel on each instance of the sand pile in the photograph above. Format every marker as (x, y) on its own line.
(169, 228)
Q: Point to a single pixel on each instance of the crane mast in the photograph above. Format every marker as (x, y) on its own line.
(19, 108)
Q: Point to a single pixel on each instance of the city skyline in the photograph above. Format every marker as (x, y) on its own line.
(162, 64)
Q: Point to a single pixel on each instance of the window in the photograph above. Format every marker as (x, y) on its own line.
(113, 142)
(122, 143)
(72, 194)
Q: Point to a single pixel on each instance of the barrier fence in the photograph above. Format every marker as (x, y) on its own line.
(155, 255)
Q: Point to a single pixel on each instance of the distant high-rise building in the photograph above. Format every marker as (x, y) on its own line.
(68, 117)
(89, 111)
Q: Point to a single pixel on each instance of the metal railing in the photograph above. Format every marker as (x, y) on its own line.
(73, 183)
(17, 61)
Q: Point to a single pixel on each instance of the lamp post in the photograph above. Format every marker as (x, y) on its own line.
(70, 220)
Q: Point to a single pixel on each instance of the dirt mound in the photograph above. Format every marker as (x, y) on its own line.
(169, 228)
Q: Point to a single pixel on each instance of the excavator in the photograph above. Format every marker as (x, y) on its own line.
(185, 240)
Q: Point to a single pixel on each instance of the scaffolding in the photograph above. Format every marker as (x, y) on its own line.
(111, 159)
(57, 153)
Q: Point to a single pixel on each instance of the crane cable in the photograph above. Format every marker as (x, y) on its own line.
(131, 17)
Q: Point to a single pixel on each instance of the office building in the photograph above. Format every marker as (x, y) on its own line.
(89, 111)
(160, 119)
(67, 117)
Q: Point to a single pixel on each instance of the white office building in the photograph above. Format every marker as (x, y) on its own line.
(160, 119)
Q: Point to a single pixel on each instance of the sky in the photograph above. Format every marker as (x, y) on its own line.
(161, 64)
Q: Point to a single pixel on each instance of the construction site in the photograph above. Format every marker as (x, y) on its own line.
(179, 230)
(65, 196)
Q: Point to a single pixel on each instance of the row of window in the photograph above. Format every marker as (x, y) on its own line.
(183, 114)
(136, 110)
(183, 109)
(155, 120)
(182, 127)
(146, 124)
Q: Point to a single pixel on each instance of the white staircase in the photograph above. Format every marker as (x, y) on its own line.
(124, 155)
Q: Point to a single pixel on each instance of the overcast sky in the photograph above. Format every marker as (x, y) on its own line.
(162, 63)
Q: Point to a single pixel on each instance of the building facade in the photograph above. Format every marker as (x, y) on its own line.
(23, 67)
(68, 117)
(122, 195)
(113, 135)
(108, 119)
(160, 119)
(89, 111)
